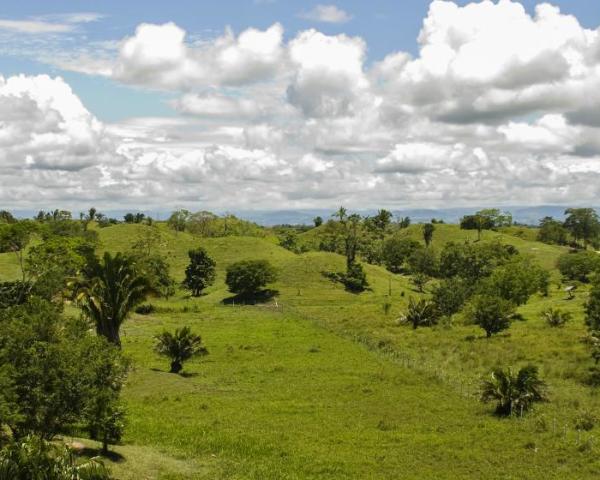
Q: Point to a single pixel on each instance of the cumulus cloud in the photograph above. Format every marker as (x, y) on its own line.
(478, 116)
(327, 14)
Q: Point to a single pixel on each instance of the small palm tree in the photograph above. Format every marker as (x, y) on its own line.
(179, 347)
(110, 290)
(420, 313)
(514, 393)
(556, 317)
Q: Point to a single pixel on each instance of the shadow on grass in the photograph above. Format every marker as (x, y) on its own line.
(89, 452)
(181, 374)
(251, 299)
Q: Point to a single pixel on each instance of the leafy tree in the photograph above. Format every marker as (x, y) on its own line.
(106, 371)
(355, 279)
(473, 261)
(420, 280)
(249, 277)
(179, 347)
(592, 308)
(14, 237)
(7, 217)
(404, 223)
(200, 273)
(517, 280)
(450, 295)
(583, 224)
(514, 393)
(109, 291)
(555, 317)
(92, 214)
(178, 220)
(423, 261)
(578, 266)
(34, 458)
(492, 313)
(428, 229)
(420, 313)
(552, 232)
(476, 222)
(318, 221)
(396, 251)
(382, 220)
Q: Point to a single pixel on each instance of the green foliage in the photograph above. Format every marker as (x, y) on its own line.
(14, 293)
(420, 313)
(179, 347)
(450, 295)
(492, 313)
(578, 266)
(423, 261)
(514, 393)
(517, 280)
(109, 291)
(555, 317)
(318, 221)
(592, 308)
(428, 229)
(355, 278)
(7, 217)
(420, 280)
(552, 232)
(249, 277)
(33, 458)
(473, 261)
(396, 251)
(200, 273)
(178, 220)
(583, 224)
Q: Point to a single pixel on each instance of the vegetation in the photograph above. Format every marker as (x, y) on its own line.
(179, 347)
(514, 392)
(248, 278)
(492, 313)
(420, 313)
(200, 273)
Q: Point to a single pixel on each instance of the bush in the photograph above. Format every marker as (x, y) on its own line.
(579, 265)
(421, 313)
(556, 317)
(355, 279)
(492, 313)
(249, 277)
(450, 295)
(395, 252)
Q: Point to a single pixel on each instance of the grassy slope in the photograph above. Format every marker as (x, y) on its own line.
(285, 394)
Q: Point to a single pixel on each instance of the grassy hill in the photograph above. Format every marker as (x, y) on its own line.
(321, 384)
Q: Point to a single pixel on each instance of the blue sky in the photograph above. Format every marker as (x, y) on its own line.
(272, 104)
(387, 25)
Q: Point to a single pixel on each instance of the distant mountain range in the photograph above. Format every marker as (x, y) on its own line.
(524, 215)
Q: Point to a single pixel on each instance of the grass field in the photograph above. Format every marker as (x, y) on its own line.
(322, 384)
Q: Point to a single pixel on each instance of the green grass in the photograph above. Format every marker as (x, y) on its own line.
(323, 385)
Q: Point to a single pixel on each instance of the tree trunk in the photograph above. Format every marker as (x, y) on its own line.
(105, 444)
(176, 366)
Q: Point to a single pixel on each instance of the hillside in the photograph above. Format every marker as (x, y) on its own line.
(321, 383)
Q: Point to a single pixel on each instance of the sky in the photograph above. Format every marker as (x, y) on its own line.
(273, 104)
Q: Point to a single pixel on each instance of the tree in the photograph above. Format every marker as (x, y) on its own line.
(517, 280)
(492, 313)
(200, 273)
(355, 279)
(92, 214)
(423, 261)
(14, 238)
(420, 280)
(7, 217)
(396, 250)
(578, 266)
(109, 291)
(552, 231)
(318, 221)
(450, 295)
(404, 222)
(514, 393)
(592, 309)
(249, 277)
(341, 214)
(179, 347)
(382, 220)
(428, 229)
(583, 224)
(420, 313)
(178, 220)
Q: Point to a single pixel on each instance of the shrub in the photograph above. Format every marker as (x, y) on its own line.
(514, 393)
(579, 265)
(249, 277)
(556, 317)
(179, 347)
(145, 309)
(355, 279)
(450, 295)
(395, 252)
(491, 313)
(421, 313)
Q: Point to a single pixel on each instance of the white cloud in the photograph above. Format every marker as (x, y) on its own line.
(479, 116)
(327, 14)
(49, 24)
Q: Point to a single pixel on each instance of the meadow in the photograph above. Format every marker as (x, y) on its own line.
(320, 383)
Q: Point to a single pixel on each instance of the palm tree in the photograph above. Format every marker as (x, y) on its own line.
(420, 313)
(179, 347)
(109, 292)
(556, 317)
(514, 393)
